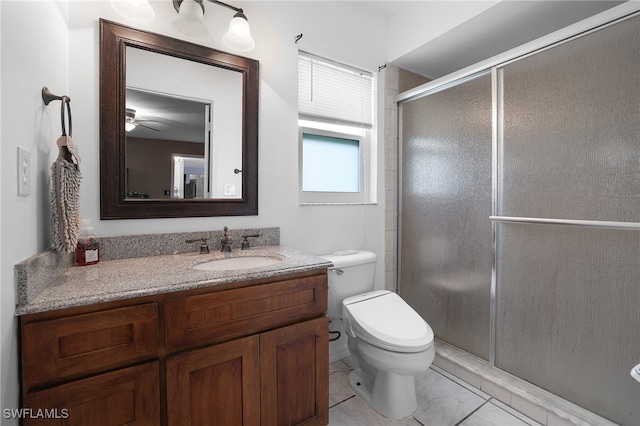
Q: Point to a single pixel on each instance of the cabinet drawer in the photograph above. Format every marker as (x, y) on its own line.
(59, 349)
(128, 396)
(211, 318)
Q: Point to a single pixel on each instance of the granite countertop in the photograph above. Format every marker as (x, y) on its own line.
(144, 276)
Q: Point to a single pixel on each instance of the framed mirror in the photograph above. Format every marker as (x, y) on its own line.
(178, 128)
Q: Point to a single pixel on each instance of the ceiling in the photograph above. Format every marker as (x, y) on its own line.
(504, 26)
(165, 117)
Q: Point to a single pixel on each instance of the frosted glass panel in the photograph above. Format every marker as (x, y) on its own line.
(571, 145)
(567, 299)
(330, 163)
(446, 200)
(568, 313)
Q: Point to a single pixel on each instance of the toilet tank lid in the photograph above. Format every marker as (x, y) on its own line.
(345, 258)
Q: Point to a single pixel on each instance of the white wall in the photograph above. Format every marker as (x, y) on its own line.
(327, 31)
(42, 46)
(2, 329)
(34, 53)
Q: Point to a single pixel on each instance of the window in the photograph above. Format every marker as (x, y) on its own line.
(335, 119)
(334, 167)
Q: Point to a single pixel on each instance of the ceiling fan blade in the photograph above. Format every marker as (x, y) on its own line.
(146, 127)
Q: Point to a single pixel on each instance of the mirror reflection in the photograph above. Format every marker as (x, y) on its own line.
(183, 128)
(188, 175)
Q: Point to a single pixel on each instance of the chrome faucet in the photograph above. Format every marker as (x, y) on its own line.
(226, 241)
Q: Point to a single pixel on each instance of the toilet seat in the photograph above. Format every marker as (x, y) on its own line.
(383, 319)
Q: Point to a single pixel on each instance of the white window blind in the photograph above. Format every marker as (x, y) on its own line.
(334, 93)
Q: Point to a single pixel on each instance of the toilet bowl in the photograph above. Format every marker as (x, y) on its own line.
(388, 341)
(389, 344)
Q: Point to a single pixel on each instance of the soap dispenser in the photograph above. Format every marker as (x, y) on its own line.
(87, 249)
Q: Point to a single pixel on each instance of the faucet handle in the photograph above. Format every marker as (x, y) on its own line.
(245, 242)
(204, 248)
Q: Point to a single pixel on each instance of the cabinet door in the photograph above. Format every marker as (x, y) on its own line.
(128, 396)
(216, 385)
(294, 370)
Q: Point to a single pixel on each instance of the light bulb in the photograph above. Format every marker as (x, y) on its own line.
(238, 37)
(137, 10)
(190, 20)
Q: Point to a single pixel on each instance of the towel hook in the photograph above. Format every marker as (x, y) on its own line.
(47, 96)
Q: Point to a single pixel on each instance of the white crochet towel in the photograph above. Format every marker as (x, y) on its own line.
(65, 196)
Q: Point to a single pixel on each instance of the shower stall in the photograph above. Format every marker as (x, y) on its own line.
(519, 215)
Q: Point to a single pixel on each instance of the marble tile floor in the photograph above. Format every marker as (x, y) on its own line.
(443, 400)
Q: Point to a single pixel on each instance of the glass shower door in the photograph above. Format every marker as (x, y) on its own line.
(568, 240)
(445, 232)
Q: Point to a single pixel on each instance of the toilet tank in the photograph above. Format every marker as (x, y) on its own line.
(352, 273)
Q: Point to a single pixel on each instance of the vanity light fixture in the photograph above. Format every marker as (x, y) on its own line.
(190, 21)
(137, 10)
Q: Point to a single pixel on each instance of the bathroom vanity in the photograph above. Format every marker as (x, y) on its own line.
(227, 347)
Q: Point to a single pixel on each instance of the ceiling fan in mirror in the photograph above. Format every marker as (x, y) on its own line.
(130, 121)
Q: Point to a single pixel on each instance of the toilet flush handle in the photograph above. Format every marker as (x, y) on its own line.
(635, 372)
(348, 328)
(338, 271)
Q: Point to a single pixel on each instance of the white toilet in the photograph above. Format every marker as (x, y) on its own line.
(388, 341)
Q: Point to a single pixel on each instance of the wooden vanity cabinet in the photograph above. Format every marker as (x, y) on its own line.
(279, 377)
(274, 359)
(253, 353)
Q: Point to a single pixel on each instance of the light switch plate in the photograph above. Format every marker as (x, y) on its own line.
(229, 189)
(24, 172)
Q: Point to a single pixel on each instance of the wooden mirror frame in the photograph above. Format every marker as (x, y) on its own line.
(114, 39)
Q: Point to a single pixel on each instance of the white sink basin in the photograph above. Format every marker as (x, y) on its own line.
(234, 263)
